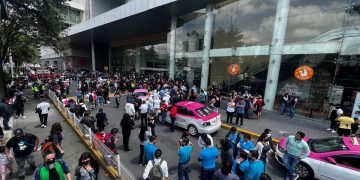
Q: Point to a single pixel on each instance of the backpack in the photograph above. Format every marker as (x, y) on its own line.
(91, 99)
(72, 106)
(47, 146)
(107, 139)
(156, 172)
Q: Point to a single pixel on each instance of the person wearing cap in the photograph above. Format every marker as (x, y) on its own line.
(23, 145)
(44, 108)
(52, 168)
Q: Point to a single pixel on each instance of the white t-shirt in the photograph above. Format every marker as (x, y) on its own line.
(157, 103)
(144, 108)
(130, 109)
(44, 106)
(164, 168)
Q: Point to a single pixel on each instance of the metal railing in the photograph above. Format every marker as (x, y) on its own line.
(97, 145)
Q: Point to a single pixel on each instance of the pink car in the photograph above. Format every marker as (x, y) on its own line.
(196, 118)
(330, 158)
(141, 94)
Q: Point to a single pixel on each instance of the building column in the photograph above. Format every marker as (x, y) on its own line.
(172, 48)
(276, 52)
(209, 26)
(138, 59)
(110, 63)
(92, 52)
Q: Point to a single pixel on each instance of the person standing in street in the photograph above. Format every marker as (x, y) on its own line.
(5, 110)
(296, 149)
(333, 117)
(234, 138)
(43, 110)
(263, 148)
(144, 136)
(173, 113)
(256, 166)
(240, 111)
(56, 138)
(292, 103)
(19, 106)
(144, 109)
(126, 123)
(241, 165)
(87, 169)
(88, 120)
(150, 149)
(284, 103)
(52, 169)
(184, 153)
(207, 157)
(163, 111)
(23, 145)
(101, 120)
(225, 173)
(156, 168)
(130, 109)
(345, 122)
(230, 111)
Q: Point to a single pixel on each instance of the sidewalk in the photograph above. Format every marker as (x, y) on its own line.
(71, 143)
(282, 123)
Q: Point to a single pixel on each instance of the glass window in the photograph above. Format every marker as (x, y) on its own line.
(243, 23)
(314, 21)
(181, 110)
(190, 113)
(327, 145)
(204, 111)
(251, 76)
(348, 160)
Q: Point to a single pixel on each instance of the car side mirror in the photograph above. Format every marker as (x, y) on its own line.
(331, 160)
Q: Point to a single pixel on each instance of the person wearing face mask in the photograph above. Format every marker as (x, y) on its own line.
(54, 169)
(267, 134)
(23, 145)
(87, 168)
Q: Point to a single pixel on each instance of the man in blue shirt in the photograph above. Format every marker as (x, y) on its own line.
(207, 157)
(150, 149)
(246, 144)
(256, 166)
(240, 165)
(234, 137)
(296, 149)
(184, 153)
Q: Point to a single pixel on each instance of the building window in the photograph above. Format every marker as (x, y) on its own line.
(72, 17)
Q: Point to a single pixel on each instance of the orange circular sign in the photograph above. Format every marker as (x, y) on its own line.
(233, 69)
(304, 73)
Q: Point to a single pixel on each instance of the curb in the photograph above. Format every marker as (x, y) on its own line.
(252, 134)
(109, 169)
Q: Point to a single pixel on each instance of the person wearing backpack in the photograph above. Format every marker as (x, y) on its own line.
(111, 139)
(156, 169)
(52, 169)
(56, 138)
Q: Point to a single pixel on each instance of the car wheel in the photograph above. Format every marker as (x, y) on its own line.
(305, 171)
(192, 130)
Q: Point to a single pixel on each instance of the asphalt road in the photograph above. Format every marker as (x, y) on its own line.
(167, 142)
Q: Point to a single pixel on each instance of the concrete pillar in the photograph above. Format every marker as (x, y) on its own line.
(276, 52)
(209, 26)
(172, 48)
(92, 52)
(138, 59)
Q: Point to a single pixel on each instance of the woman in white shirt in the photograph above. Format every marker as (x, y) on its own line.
(263, 147)
(230, 111)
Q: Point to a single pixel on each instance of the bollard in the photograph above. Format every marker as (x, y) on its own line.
(90, 137)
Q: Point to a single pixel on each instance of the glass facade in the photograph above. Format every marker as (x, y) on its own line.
(72, 16)
(322, 34)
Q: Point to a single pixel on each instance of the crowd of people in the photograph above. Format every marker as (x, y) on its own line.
(241, 158)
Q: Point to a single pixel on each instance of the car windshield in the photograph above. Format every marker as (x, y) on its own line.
(204, 111)
(327, 145)
(140, 94)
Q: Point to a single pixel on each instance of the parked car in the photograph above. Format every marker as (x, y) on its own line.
(142, 94)
(330, 158)
(196, 118)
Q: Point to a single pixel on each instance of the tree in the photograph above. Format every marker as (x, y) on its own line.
(30, 24)
(231, 37)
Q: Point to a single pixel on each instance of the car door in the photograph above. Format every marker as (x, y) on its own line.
(340, 167)
(181, 116)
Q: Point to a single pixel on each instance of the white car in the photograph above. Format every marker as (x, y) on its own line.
(196, 118)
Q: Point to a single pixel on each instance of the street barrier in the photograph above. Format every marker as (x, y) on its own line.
(106, 158)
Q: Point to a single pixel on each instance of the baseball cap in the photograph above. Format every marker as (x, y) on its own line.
(18, 132)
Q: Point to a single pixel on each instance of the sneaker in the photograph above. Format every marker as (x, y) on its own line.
(333, 131)
(23, 117)
(42, 126)
(140, 165)
(296, 177)
(328, 129)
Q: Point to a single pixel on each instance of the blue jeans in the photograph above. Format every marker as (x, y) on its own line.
(183, 171)
(206, 174)
(100, 100)
(163, 116)
(143, 119)
(282, 108)
(263, 159)
(6, 119)
(290, 162)
(291, 111)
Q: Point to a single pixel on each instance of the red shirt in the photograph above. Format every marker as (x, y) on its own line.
(163, 107)
(173, 111)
